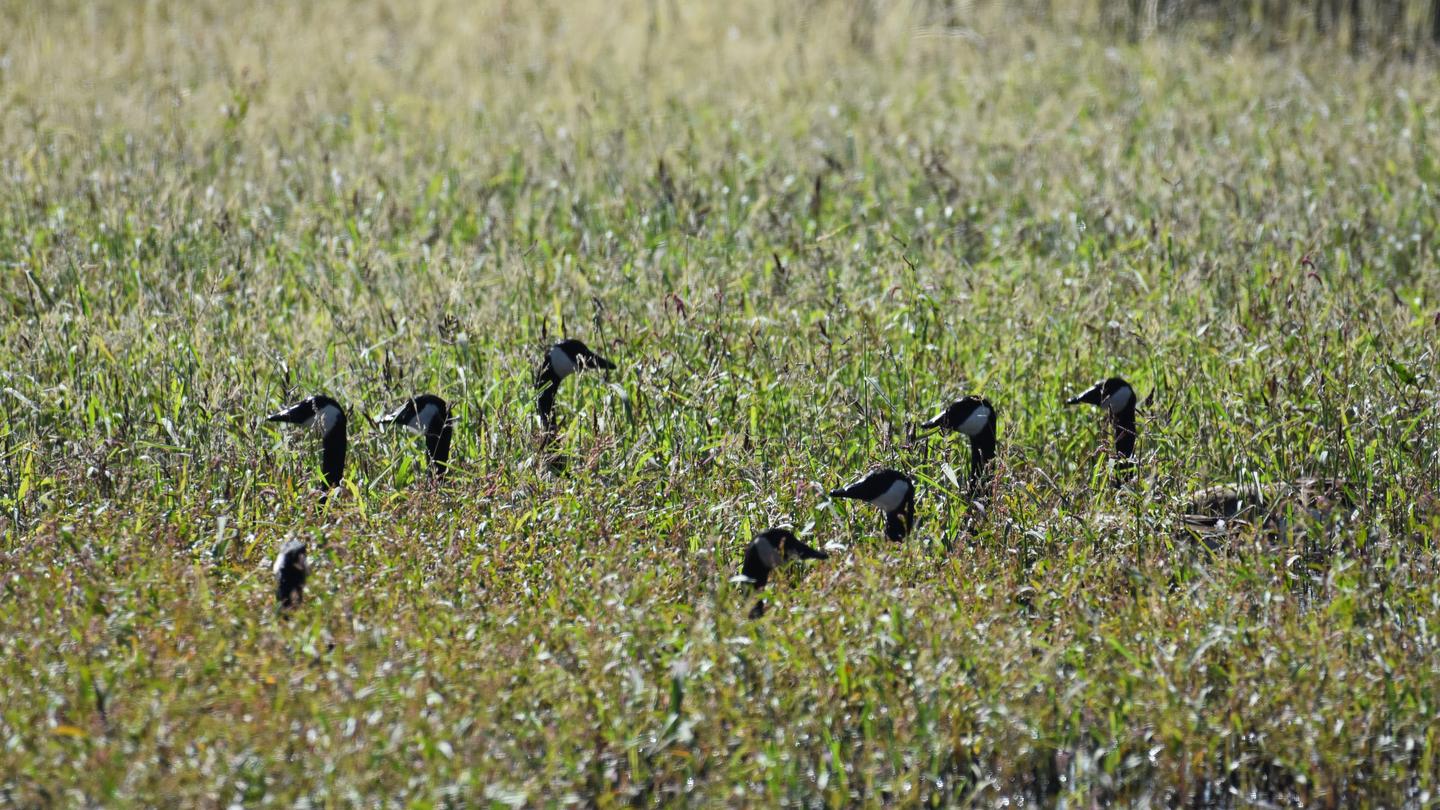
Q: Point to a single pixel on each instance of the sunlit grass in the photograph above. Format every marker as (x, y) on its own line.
(798, 231)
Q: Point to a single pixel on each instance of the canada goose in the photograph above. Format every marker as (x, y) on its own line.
(328, 418)
(1118, 400)
(769, 550)
(291, 569)
(1210, 513)
(561, 360)
(429, 416)
(893, 492)
(974, 417)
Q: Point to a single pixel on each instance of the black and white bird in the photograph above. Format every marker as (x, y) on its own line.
(1215, 512)
(1117, 398)
(327, 418)
(769, 550)
(893, 492)
(561, 360)
(291, 570)
(974, 417)
(429, 416)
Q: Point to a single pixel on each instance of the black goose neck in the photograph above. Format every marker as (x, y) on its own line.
(437, 446)
(332, 459)
(1123, 422)
(982, 451)
(545, 404)
(899, 522)
(437, 434)
(982, 447)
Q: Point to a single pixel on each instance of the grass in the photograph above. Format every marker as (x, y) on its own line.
(798, 231)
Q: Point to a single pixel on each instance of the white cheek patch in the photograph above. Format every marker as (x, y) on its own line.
(1119, 401)
(421, 421)
(890, 499)
(324, 419)
(279, 563)
(975, 422)
(563, 364)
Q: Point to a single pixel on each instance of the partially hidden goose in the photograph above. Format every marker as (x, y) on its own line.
(1117, 398)
(975, 418)
(893, 492)
(327, 418)
(1214, 512)
(561, 360)
(429, 416)
(1211, 513)
(769, 550)
(291, 570)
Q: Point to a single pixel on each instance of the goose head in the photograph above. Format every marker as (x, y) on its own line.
(892, 492)
(325, 416)
(429, 416)
(291, 569)
(1117, 398)
(561, 360)
(1114, 395)
(975, 418)
(569, 356)
(771, 549)
(319, 412)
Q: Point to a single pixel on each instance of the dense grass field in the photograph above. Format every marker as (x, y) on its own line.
(798, 229)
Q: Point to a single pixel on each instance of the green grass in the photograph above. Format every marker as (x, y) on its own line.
(798, 232)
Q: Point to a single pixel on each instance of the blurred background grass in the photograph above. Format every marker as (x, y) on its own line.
(798, 230)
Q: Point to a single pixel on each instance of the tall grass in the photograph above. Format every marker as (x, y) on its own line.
(798, 229)
(1383, 28)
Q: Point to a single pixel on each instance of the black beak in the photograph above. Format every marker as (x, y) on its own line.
(294, 414)
(937, 422)
(599, 362)
(839, 493)
(1092, 396)
(798, 548)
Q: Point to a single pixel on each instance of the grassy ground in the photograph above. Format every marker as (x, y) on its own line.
(798, 232)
